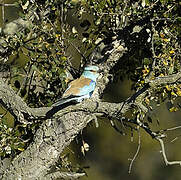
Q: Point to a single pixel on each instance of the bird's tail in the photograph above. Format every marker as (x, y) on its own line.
(64, 101)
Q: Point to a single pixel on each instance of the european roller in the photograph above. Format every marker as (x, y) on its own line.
(80, 88)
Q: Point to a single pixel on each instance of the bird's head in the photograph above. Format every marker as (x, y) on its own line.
(91, 72)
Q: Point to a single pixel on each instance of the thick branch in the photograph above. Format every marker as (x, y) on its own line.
(164, 80)
(64, 175)
(51, 138)
(16, 105)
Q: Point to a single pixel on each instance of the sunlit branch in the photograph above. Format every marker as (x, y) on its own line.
(164, 153)
(1, 4)
(171, 129)
(137, 151)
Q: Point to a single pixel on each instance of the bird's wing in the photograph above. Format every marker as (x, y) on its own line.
(80, 87)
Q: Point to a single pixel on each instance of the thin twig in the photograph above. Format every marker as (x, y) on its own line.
(152, 41)
(137, 151)
(171, 129)
(124, 22)
(1, 4)
(82, 55)
(164, 153)
(173, 140)
(3, 15)
(62, 23)
(153, 52)
(116, 128)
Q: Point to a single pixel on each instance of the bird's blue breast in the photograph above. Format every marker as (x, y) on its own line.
(87, 89)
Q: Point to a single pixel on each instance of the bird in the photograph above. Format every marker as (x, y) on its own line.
(81, 88)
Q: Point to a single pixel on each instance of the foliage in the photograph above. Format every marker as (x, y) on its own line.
(13, 139)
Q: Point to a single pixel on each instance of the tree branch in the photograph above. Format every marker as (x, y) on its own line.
(164, 153)
(164, 80)
(64, 175)
(137, 151)
(17, 106)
